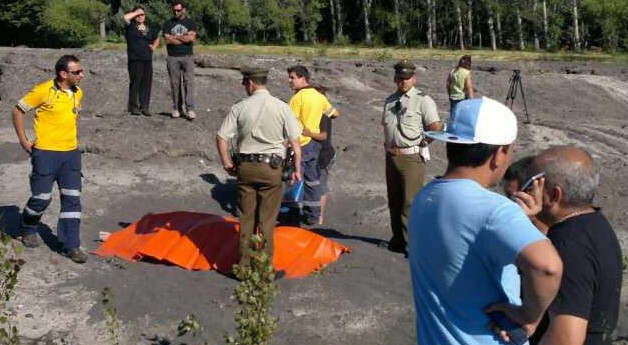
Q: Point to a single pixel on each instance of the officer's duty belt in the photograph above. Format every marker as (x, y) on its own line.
(273, 159)
(396, 151)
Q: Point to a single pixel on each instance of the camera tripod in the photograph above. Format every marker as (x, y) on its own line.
(514, 85)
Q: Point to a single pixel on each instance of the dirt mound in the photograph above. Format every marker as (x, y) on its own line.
(138, 165)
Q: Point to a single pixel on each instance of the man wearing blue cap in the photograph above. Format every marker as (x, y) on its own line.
(467, 243)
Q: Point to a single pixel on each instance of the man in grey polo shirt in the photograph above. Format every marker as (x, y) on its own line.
(262, 124)
(408, 112)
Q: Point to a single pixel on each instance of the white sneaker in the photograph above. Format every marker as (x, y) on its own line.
(175, 114)
(191, 115)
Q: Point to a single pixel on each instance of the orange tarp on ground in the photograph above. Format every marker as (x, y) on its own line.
(200, 241)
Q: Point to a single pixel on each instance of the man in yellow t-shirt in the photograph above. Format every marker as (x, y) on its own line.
(54, 154)
(309, 106)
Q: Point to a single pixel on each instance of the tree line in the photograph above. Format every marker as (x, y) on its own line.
(493, 24)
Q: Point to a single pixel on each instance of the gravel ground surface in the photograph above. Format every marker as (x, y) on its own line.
(137, 165)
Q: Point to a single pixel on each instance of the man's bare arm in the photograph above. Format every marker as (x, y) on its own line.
(541, 270)
(170, 39)
(565, 330)
(190, 36)
(223, 151)
(18, 124)
(296, 148)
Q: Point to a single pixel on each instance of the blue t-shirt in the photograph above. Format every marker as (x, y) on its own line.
(463, 243)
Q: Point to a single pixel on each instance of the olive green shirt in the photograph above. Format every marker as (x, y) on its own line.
(457, 78)
(261, 123)
(405, 117)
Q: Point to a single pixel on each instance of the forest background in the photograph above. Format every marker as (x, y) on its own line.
(540, 25)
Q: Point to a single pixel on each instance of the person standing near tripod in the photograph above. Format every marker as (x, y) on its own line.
(459, 84)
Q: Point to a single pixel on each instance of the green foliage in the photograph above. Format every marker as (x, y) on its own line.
(610, 19)
(311, 16)
(74, 22)
(383, 55)
(255, 294)
(189, 325)
(10, 265)
(111, 316)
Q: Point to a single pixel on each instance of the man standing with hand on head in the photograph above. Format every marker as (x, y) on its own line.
(55, 156)
(408, 113)
(180, 33)
(141, 42)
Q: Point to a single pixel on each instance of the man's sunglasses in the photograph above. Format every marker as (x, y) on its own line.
(175, 10)
(77, 72)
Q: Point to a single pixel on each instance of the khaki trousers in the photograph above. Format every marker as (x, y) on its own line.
(260, 191)
(404, 178)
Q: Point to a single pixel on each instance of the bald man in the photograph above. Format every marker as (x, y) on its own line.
(586, 307)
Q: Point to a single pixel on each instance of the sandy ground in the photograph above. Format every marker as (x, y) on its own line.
(137, 165)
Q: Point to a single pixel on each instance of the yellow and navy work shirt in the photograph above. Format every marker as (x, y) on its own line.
(261, 123)
(405, 117)
(456, 86)
(56, 114)
(309, 106)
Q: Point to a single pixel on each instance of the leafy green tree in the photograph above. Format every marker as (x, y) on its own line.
(608, 22)
(20, 22)
(77, 29)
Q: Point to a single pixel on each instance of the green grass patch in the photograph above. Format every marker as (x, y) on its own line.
(310, 52)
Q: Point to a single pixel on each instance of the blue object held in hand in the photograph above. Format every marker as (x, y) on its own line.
(517, 335)
(293, 192)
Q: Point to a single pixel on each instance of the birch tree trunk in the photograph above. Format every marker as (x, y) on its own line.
(434, 28)
(469, 23)
(366, 8)
(102, 29)
(499, 30)
(535, 25)
(305, 21)
(334, 24)
(400, 40)
(576, 32)
(430, 43)
(545, 29)
(339, 18)
(249, 29)
(520, 30)
(491, 29)
(460, 32)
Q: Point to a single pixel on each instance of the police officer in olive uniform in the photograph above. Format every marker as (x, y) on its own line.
(408, 113)
(260, 124)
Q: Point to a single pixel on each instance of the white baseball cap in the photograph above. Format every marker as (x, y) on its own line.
(480, 120)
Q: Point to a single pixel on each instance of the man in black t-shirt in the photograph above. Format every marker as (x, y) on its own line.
(586, 308)
(180, 33)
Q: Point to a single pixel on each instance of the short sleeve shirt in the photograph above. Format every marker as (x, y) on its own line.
(138, 42)
(56, 115)
(592, 273)
(309, 106)
(405, 117)
(176, 27)
(463, 244)
(261, 123)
